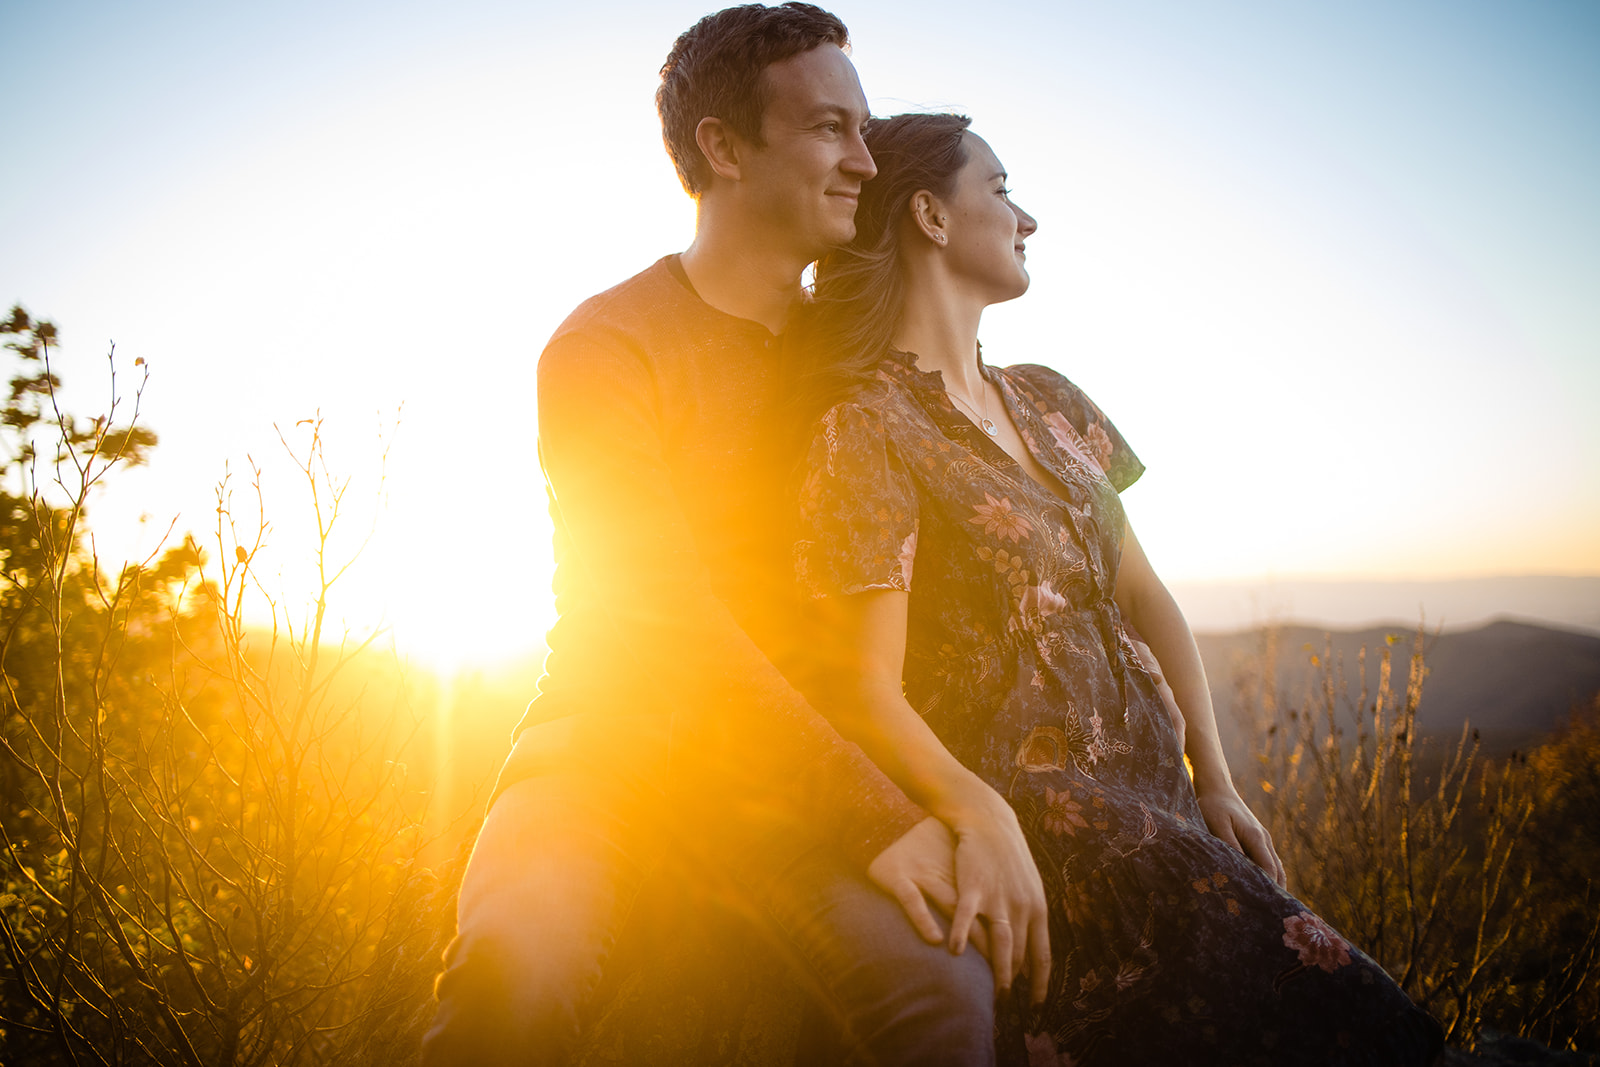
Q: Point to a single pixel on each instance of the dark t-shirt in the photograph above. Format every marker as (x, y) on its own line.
(673, 588)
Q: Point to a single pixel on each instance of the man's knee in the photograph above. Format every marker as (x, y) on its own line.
(937, 1009)
(496, 1006)
(899, 999)
(542, 902)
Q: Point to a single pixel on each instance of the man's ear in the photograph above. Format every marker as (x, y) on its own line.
(720, 145)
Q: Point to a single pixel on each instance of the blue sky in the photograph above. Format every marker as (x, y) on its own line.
(1333, 269)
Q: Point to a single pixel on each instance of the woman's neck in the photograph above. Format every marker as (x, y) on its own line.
(942, 330)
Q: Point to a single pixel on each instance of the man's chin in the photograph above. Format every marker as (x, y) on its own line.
(842, 235)
(838, 237)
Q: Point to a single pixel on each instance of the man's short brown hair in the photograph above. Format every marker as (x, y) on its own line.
(715, 70)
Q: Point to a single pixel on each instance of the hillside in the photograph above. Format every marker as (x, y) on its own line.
(1513, 681)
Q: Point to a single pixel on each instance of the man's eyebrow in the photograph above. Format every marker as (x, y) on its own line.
(834, 111)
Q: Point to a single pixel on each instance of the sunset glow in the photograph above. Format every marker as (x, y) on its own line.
(1332, 273)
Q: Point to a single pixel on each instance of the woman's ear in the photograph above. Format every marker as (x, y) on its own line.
(928, 217)
(720, 146)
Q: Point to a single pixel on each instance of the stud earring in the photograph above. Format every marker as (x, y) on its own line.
(939, 237)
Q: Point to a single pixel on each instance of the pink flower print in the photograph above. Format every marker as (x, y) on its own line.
(1317, 942)
(1043, 1051)
(997, 518)
(1062, 813)
(1099, 443)
(1044, 749)
(1037, 602)
(1087, 452)
(908, 556)
(1041, 601)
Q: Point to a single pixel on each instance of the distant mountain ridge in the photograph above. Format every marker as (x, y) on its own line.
(1570, 602)
(1513, 681)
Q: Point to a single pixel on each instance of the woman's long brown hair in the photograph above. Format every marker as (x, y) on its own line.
(840, 335)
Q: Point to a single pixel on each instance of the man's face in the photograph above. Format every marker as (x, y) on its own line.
(805, 182)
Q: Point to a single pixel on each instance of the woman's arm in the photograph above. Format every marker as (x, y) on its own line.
(1146, 603)
(860, 646)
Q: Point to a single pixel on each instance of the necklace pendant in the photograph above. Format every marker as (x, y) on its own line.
(990, 428)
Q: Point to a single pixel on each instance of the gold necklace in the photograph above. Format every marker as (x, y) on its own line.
(984, 421)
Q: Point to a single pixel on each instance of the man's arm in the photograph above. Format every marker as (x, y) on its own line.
(755, 738)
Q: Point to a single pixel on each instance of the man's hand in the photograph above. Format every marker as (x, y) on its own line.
(1230, 819)
(919, 868)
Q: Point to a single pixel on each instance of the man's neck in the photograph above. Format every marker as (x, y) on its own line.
(738, 276)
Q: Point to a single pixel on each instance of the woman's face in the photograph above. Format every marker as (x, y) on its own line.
(986, 230)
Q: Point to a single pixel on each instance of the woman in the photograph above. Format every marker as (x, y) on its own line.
(975, 585)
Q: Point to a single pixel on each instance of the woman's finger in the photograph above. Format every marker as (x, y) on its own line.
(961, 923)
(1275, 867)
(1000, 941)
(1224, 832)
(1039, 960)
(1022, 937)
(1258, 846)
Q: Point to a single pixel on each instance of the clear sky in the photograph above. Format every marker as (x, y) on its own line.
(1334, 269)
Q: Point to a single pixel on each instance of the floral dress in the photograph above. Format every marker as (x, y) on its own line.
(1169, 946)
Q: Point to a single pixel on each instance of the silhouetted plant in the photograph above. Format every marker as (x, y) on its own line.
(213, 851)
(1417, 850)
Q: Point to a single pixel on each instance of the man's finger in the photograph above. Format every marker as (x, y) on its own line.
(941, 893)
(916, 909)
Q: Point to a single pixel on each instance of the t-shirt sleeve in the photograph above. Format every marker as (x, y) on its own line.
(1062, 404)
(857, 508)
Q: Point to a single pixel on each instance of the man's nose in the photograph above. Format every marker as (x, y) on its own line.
(859, 162)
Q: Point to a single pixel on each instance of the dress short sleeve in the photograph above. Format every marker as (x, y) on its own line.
(1061, 403)
(857, 507)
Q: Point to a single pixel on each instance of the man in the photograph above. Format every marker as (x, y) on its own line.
(656, 399)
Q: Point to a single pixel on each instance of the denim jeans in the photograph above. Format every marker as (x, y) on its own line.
(551, 882)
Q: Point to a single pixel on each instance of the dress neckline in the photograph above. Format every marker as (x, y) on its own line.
(928, 387)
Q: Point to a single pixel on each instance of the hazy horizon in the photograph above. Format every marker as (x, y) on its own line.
(1330, 270)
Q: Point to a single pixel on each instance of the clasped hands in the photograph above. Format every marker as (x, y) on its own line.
(974, 866)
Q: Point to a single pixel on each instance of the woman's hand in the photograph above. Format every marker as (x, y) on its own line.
(1174, 660)
(859, 653)
(997, 881)
(1229, 818)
